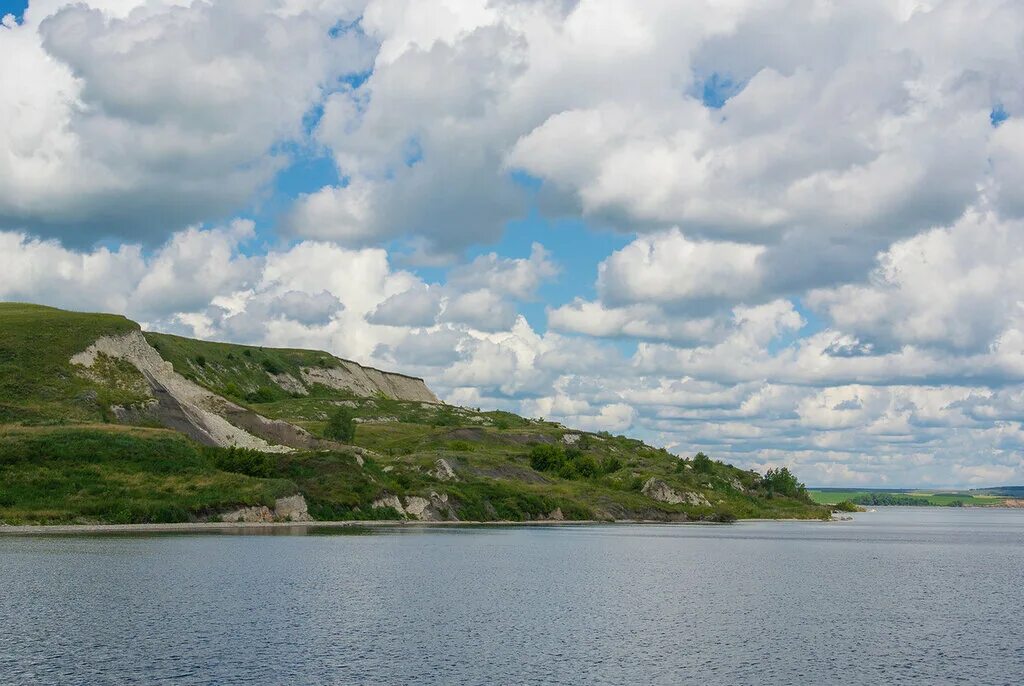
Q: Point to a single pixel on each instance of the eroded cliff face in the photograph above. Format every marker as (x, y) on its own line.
(184, 405)
(367, 381)
(180, 403)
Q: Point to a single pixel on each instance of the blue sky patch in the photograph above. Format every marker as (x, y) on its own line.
(15, 7)
(716, 89)
(998, 115)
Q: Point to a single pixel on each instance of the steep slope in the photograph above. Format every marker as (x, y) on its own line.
(254, 372)
(102, 422)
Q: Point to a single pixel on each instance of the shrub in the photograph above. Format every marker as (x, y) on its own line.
(200, 360)
(444, 417)
(341, 426)
(571, 463)
(243, 461)
(587, 466)
(783, 482)
(611, 464)
(702, 463)
(260, 395)
(271, 367)
(846, 506)
(547, 458)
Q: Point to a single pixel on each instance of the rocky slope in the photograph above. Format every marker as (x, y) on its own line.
(100, 421)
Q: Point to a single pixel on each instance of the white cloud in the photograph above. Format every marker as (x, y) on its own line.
(647, 322)
(825, 263)
(513, 278)
(959, 287)
(135, 123)
(481, 309)
(418, 306)
(668, 267)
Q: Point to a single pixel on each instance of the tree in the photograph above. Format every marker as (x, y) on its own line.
(783, 482)
(701, 463)
(341, 426)
(547, 458)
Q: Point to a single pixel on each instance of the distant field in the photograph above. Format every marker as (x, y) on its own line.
(829, 496)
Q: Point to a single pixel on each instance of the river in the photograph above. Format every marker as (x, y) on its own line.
(901, 595)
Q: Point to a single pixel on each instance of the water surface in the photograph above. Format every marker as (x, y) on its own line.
(903, 595)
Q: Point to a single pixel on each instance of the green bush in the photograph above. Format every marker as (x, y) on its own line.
(783, 482)
(341, 426)
(846, 506)
(444, 417)
(702, 463)
(571, 463)
(260, 395)
(201, 360)
(587, 466)
(271, 367)
(547, 458)
(243, 461)
(611, 464)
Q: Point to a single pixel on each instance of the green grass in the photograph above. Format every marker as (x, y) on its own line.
(117, 474)
(938, 499)
(239, 372)
(63, 458)
(38, 383)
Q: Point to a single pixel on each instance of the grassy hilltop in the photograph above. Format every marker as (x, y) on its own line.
(163, 428)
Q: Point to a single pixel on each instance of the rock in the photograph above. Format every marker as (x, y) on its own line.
(289, 383)
(391, 501)
(433, 510)
(735, 483)
(443, 471)
(416, 506)
(249, 515)
(367, 382)
(292, 509)
(556, 515)
(188, 407)
(656, 489)
(570, 439)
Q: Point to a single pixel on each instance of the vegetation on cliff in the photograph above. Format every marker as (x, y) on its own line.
(92, 444)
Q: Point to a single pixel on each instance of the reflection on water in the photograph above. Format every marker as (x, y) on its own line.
(915, 595)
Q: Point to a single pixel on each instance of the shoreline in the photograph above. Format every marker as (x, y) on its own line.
(287, 527)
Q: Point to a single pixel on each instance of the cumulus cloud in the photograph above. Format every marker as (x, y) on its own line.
(513, 278)
(133, 119)
(669, 268)
(824, 207)
(418, 306)
(646, 322)
(955, 287)
(481, 309)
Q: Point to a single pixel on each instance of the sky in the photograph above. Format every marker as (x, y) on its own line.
(785, 233)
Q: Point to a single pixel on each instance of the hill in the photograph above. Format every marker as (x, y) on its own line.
(102, 422)
(908, 497)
